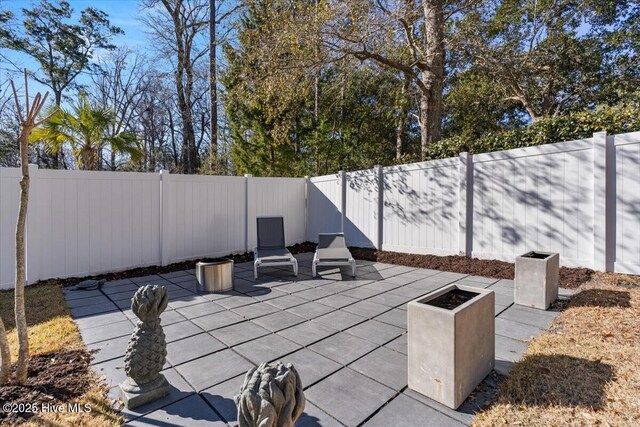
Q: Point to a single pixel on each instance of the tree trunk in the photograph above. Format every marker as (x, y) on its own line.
(402, 118)
(21, 320)
(213, 42)
(432, 75)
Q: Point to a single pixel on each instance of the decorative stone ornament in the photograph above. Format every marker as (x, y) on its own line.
(147, 350)
(271, 396)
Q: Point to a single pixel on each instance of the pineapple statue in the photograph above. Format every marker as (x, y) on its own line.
(271, 396)
(147, 350)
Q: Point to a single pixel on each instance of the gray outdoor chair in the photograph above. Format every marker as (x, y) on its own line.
(271, 249)
(332, 250)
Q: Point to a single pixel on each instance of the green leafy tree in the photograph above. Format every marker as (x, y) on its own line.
(63, 49)
(86, 128)
(547, 57)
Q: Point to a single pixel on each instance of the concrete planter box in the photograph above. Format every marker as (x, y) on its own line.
(536, 281)
(451, 342)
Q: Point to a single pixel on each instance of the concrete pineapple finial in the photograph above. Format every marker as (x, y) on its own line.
(147, 350)
(271, 396)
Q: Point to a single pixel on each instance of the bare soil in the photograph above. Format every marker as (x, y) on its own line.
(54, 379)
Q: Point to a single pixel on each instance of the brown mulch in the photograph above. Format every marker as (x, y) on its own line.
(178, 266)
(54, 378)
(569, 277)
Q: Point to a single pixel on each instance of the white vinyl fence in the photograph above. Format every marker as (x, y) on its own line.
(579, 198)
(82, 223)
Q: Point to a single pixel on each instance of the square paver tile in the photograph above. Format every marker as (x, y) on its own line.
(310, 310)
(340, 319)
(399, 344)
(93, 310)
(316, 417)
(221, 398)
(255, 310)
(100, 319)
(186, 300)
(314, 293)
(177, 331)
(169, 317)
(286, 301)
(236, 301)
(277, 321)
(106, 332)
(215, 368)
(509, 349)
(395, 317)
(366, 309)
(80, 302)
(307, 333)
(267, 348)
(113, 370)
(190, 348)
(110, 349)
(218, 320)
(516, 330)
(311, 366)
(188, 412)
(530, 316)
(349, 396)
(343, 348)
(385, 366)
(360, 293)
(404, 411)
(199, 310)
(389, 299)
(337, 301)
(376, 332)
(239, 332)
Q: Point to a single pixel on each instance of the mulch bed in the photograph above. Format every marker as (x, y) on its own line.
(570, 278)
(54, 379)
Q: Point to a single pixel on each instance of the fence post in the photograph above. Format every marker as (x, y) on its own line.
(465, 204)
(307, 180)
(164, 218)
(343, 197)
(601, 191)
(246, 211)
(380, 212)
(32, 249)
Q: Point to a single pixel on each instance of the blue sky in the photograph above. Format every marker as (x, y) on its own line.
(122, 13)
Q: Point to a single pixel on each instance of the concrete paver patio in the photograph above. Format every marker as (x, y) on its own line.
(346, 337)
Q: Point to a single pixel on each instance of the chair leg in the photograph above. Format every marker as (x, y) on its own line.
(313, 268)
(255, 269)
(295, 267)
(353, 268)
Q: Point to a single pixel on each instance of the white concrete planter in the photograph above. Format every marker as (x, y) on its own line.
(536, 281)
(452, 349)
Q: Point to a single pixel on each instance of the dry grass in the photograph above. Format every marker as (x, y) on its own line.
(586, 370)
(51, 329)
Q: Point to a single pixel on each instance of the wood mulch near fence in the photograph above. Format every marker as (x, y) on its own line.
(569, 277)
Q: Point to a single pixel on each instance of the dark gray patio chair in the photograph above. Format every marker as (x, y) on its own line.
(271, 249)
(332, 250)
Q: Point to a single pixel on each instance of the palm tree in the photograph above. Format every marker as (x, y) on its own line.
(86, 129)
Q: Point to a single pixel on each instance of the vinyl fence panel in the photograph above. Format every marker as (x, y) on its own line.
(421, 207)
